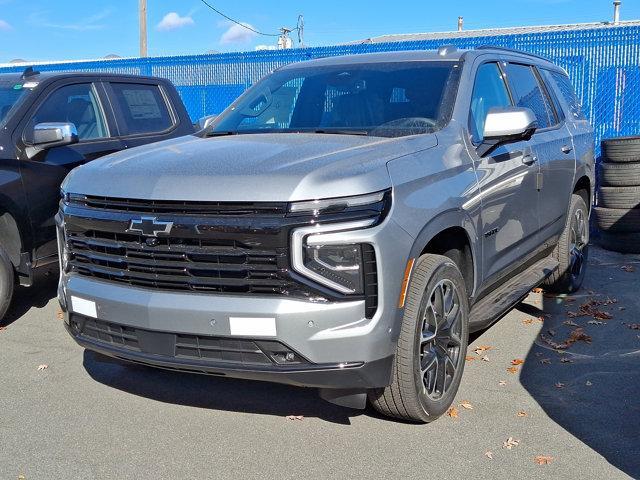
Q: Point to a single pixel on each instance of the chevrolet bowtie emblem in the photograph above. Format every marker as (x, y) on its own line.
(149, 226)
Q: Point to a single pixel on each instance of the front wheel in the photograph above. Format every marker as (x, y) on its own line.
(572, 250)
(432, 345)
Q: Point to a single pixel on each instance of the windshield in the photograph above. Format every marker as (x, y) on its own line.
(377, 99)
(10, 95)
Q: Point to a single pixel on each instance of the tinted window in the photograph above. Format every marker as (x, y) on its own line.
(378, 99)
(548, 81)
(489, 91)
(11, 94)
(143, 107)
(77, 104)
(568, 93)
(527, 93)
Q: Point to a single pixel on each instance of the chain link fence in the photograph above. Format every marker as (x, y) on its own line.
(603, 63)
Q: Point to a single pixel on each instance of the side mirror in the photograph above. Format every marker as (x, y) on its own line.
(205, 122)
(506, 125)
(54, 134)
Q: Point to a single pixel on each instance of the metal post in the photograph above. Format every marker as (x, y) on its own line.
(143, 27)
(460, 23)
(616, 11)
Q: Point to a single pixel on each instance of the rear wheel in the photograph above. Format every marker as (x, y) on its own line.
(432, 345)
(572, 250)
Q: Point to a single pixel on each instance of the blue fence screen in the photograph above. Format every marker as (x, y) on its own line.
(603, 63)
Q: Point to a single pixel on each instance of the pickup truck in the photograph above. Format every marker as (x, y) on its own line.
(343, 225)
(53, 122)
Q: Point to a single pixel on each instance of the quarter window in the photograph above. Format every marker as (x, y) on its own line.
(489, 91)
(77, 104)
(528, 94)
(143, 108)
(569, 95)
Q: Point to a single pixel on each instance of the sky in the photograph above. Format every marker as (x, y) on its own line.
(43, 30)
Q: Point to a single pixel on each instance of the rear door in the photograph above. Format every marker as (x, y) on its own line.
(552, 145)
(507, 182)
(82, 102)
(144, 112)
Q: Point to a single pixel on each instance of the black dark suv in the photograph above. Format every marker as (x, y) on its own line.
(53, 122)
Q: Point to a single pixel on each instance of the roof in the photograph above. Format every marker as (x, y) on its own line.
(492, 32)
(42, 76)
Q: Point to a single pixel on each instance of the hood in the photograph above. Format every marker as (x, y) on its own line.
(252, 167)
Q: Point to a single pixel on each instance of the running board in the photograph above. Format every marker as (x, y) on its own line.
(495, 305)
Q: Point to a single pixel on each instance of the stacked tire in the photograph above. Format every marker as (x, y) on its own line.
(618, 212)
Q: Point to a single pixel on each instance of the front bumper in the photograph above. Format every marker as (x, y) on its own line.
(339, 346)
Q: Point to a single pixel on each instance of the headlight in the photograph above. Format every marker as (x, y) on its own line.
(336, 265)
(335, 204)
(63, 251)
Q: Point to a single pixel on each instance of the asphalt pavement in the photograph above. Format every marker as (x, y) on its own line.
(563, 415)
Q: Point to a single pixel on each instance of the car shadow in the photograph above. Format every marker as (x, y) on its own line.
(591, 390)
(211, 392)
(38, 296)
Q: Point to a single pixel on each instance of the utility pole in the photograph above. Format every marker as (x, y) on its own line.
(143, 27)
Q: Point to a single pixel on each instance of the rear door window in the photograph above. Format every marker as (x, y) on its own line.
(528, 94)
(143, 108)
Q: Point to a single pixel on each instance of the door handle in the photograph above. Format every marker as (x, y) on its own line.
(567, 149)
(529, 159)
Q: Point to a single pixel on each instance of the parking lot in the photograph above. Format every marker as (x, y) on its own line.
(85, 416)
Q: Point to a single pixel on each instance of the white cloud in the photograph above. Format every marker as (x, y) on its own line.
(5, 25)
(173, 21)
(237, 34)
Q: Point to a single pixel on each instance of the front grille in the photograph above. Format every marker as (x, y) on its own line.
(242, 352)
(178, 264)
(177, 207)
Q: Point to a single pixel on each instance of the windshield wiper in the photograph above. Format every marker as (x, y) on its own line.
(343, 132)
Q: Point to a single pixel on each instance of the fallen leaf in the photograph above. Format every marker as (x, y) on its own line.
(2, 328)
(599, 315)
(537, 290)
(559, 385)
(595, 322)
(530, 321)
(578, 335)
(466, 405)
(543, 459)
(43, 366)
(633, 326)
(551, 332)
(294, 417)
(512, 369)
(22, 477)
(452, 412)
(521, 413)
(546, 361)
(59, 314)
(502, 383)
(565, 360)
(489, 455)
(622, 308)
(588, 384)
(628, 268)
(538, 354)
(469, 359)
(485, 359)
(570, 323)
(510, 443)
(517, 361)
(481, 349)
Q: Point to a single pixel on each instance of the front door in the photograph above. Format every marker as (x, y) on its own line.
(42, 174)
(507, 184)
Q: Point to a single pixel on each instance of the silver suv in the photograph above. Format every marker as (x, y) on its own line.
(344, 225)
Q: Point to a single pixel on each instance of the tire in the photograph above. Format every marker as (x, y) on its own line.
(7, 282)
(572, 250)
(617, 219)
(434, 277)
(619, 197)
(620, 242)
(622, 150)
(620, 174)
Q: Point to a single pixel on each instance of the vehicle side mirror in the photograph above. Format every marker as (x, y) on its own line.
(507, 125)
(54, 134)
(205, 122)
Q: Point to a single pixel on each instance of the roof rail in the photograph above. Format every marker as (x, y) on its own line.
(510, 50)
(29, 72)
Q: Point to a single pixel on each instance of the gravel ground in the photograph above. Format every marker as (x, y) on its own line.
(86, 417)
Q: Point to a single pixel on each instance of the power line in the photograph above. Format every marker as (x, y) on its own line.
(238, 23)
